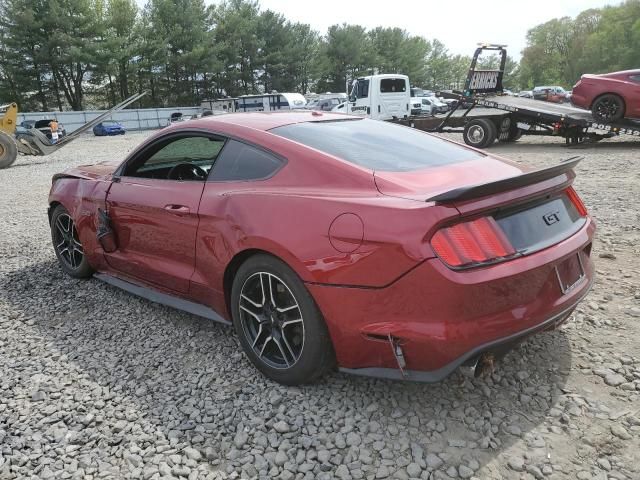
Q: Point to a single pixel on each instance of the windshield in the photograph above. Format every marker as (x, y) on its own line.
(377, 145)
(110, 123)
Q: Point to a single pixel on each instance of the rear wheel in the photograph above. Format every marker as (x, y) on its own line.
(8, 150)
(509, 131)
(608, 108)
(279, 326)
(67, 245)
(480, 133)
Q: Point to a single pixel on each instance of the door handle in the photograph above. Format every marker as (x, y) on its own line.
(177, 209)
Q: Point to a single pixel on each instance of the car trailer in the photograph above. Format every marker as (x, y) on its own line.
(483, 114)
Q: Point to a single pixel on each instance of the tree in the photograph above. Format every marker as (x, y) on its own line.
(395, 51)
(71, 45)
(348, 53)
(235, 34)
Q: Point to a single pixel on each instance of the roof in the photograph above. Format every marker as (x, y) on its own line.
(266, 120)
(620, 73)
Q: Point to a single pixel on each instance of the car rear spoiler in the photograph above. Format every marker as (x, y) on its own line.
(484, 189)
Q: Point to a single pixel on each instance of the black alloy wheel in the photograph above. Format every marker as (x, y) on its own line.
(279, 326)
(67, 245)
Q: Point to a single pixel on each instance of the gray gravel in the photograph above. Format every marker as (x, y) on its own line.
(98, 384)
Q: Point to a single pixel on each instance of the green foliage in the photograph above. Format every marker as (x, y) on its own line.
(596, 41)
(94, 53)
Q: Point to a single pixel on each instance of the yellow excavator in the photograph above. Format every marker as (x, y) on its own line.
(33, 141)
(8, 147)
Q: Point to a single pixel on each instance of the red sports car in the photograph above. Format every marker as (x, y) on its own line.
(333, 240)
(611, 96)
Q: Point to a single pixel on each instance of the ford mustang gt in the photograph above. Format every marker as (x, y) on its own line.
(611, 96)
(331, 240)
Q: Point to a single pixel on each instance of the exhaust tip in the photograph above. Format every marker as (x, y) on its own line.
(485, 365)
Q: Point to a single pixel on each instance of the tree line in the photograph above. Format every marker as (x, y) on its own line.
(81, 54)
(60, 54)
(598, 40)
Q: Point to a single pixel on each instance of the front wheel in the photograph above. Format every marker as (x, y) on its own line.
(67, 245)
(279, 326)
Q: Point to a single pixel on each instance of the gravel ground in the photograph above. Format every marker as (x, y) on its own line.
(96, 383)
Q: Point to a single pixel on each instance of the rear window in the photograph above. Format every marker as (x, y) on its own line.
(377, 145)
(389, 85)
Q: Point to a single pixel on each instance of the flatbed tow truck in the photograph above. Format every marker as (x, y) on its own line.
(483, 114)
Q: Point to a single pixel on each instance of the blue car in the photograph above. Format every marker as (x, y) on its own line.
(108, 127)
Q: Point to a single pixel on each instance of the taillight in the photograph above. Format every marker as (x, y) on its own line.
(577, 201)
(470, 243)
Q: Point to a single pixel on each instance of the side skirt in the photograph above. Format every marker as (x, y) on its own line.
(163, 298)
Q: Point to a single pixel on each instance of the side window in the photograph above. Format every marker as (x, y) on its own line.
(188, 157)
(240, 162)
(635, 78)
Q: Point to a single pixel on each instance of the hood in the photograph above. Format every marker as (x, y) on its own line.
(429, 182)
(90, 172)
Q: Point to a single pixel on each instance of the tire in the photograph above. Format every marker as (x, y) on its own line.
(514, 134)
(608, 108)
(509, 131)
(480, 133)
(8, 150)
(67, 246)
(290, 343)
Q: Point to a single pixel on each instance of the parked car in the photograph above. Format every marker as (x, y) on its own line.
(291, 233)
(176, 117)
(436, 105)
(426, 107)
(449, 102)
(611, 96)
(416, 105)
(553, 94)
(324, 104)
(526, 94)
(109, 127)
(43, 126)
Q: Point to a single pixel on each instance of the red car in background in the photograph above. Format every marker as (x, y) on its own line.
(611, 96)
(330, 240)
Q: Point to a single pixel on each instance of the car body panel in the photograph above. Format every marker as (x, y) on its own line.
(359, 241)
(590, 87)
(156, 224)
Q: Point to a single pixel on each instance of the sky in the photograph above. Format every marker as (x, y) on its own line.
(459, 24)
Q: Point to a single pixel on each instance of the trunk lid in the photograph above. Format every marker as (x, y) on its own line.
(533, 209)
(426, 183)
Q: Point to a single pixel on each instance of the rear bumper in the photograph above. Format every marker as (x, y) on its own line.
(579, 101)
(442, 318)
(502, 344)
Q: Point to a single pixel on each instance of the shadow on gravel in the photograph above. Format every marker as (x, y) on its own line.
(176, 377)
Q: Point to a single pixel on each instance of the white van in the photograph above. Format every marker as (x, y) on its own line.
(381, 97)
